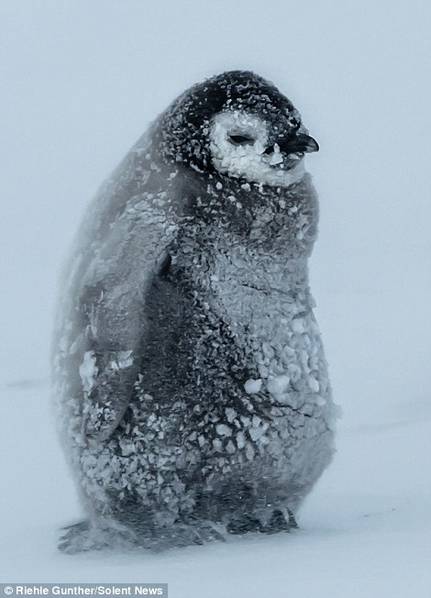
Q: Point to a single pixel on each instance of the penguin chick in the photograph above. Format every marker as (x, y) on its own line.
(190, 378)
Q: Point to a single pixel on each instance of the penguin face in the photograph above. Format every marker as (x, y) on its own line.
(239, 125)
(244, 145)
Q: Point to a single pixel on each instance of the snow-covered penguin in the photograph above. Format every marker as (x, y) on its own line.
(190, 377)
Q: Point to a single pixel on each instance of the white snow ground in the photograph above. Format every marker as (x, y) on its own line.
(81, 81)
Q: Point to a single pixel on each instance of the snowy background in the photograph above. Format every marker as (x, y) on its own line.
(80, 82)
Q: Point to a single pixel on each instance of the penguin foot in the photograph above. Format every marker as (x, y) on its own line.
(280, 520)
(180, 535)
(83, 536)
(243, 525)
(72, 541)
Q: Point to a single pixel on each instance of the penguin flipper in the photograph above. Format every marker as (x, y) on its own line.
(113, 324)
(109, 366)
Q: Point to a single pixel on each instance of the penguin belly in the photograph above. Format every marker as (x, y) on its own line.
(230, 420)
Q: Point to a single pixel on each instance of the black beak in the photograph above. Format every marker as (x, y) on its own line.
(299, 144)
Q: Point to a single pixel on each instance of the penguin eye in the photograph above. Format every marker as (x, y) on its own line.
(241, 140)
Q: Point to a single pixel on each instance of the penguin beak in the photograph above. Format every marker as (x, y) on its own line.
(301, 143)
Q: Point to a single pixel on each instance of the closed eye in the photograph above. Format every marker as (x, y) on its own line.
(241, 140)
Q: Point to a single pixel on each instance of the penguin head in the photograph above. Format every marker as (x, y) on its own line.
(237, 125)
